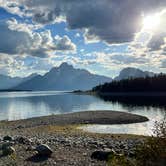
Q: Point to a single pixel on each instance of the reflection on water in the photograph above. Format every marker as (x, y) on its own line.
(21, 105)
(137, 128)
(134, 101)
(152, 107)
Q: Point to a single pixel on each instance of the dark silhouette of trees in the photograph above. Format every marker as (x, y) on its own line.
(147, 84)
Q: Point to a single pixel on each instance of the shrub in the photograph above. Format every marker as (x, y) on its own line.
(120, 160)
(151, 153)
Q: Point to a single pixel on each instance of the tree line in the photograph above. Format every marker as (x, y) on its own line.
(156, 83)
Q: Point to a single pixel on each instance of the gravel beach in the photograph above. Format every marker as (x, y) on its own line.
(69, 145)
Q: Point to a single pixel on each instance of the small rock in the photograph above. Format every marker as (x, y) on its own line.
(122, 146)
(8, 151)
(23, 140)
(44, 150)
(102, 155)
(30, 148)
(84, 154)
(19, 127)
(131, 154)
(7, 138)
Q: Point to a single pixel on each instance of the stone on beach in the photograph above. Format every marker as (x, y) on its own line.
(23, 140)
(44, 150)
(102, 155)
(5, 145)
(8, 150)
(7, 138)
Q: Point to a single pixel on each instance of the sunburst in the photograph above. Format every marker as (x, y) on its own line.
(151, 22)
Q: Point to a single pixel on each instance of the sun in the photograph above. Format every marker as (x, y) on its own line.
(151, 22)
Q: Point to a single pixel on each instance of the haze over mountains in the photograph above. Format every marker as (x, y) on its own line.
(7, 82)
(65, 77)
(134, 73)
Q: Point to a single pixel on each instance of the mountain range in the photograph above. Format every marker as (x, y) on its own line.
(131, 72)
(65, 78)
(7, 82)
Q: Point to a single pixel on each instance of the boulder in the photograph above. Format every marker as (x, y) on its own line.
(5, 145)
(44, 150)
(102, 155)
(8, 150)
(7, 138)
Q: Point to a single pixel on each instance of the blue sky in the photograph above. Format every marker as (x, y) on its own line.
(101, 36)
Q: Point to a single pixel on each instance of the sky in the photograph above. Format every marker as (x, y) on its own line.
(101, 36)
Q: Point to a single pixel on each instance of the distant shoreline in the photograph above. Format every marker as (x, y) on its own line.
(136, 94)
(111, 94)
(123, 94)
(12, 90)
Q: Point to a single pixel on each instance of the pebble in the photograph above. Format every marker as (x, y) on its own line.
(23, 140)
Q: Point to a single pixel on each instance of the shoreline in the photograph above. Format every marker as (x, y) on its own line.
(121, 94)
(70, 145)
(77, 118)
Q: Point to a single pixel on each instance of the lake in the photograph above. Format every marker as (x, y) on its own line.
(22, 105)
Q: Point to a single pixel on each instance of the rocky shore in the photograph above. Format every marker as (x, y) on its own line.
(56, 140)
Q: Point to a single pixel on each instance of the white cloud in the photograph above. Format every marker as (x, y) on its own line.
(64, 43)
(20, 39)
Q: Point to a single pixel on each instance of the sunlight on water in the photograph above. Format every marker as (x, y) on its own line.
(137, 128)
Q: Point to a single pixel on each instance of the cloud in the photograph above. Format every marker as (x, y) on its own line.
(128, 59)
(64, 43)
(152, 41)
(12, 7)
(77, 35)
(158, 39)
(8, 64)
(163, 64)
(22, 40)
(112, 21)
(156, 42)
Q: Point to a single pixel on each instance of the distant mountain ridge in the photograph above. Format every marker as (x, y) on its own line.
(64, 78)
(131, 72)
(7, 82)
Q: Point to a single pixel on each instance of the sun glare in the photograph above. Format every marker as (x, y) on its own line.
(151, 22)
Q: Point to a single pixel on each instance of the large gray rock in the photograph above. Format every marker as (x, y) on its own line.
(5, 145)
(8, 150)
(44, 150)
(102, 155)
(7, 138)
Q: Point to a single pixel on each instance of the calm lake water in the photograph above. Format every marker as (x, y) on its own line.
(22, 105)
